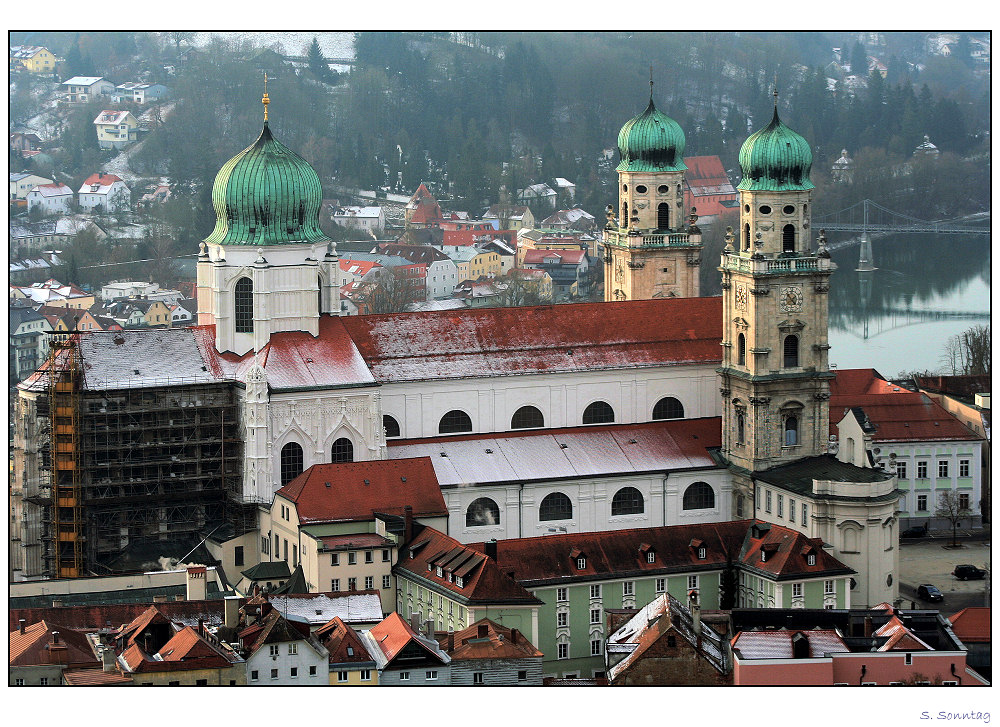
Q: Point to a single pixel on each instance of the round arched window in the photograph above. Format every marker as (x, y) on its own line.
(627, 501)
(668, 408)
(699, 496)
(555, 506)
(455, 421)
(600, 412)
(342, 450)
(527, 417)
(483, 511)
(390, 425)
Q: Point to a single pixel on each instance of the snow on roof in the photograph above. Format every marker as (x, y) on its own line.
(573, 452)
(778, 644)
(83, 81)
(52, 190)
(318, 608)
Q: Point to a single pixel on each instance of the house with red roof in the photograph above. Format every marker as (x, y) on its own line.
(51, 199)
(350, 664)
(422, 211)
(105, 191)
(488, 654)
(878, 646)
(189, 657)
(39, 653)
(929, 449)
(280, 652)
(404, 656)
(973, 628)
(343, 522)
(707, 188)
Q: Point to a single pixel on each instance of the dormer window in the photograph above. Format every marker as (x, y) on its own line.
(763, 556)
(811, 559)
(439, 572)
(459, 582)
(651, 556)
(701, 553)
(581, 563)
(447, 576)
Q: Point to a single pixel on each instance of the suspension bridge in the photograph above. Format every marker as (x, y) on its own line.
(870, 218)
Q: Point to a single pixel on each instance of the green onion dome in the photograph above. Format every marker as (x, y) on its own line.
(266, 195)
(775, 159)
(651, 142)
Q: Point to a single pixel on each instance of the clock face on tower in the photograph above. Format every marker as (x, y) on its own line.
(741, 296)
(791, 299)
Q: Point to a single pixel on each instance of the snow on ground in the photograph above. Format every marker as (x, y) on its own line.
(333, 44)
(119, 165)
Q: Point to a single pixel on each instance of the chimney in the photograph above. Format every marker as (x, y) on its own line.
(20, 623)
(201, 627)
(429, 628)
(451, 640)
(256, 589)
(178, 597)
(197, 583)
(491, 549)
(415, 621)
(108, 658)
(695, 615)
(868, 625)
(232, 611)
(408, 528)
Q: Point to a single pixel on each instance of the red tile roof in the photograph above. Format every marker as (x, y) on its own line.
(88, 618)
(487, 640)
(95, 678)
(564, 257)
(773, 644)
(900, 638)
(359, 489)
(393, 634)
(898, 415)
(34, 646)
(343, 642)
(483, 582)
(972, 625)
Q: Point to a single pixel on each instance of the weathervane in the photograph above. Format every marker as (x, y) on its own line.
(265, 100)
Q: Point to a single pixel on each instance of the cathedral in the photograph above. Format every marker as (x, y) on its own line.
(656, 407)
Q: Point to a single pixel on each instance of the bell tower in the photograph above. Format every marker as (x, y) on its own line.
(653, 248)
(775, 371)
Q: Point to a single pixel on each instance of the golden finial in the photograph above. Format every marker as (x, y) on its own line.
(265, 100)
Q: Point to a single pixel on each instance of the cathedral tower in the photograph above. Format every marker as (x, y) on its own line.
(653, 250)
(775, 372)
(267, 266)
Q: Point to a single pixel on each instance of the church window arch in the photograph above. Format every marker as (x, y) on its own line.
(390, 425)
(741, 350)
(663, 216)
(699, 496)
(291, 462)
(668, 408)
(342, 450)
(628, 501)
(555, 506)
(791, 351)
(741, 422)
(788, 238)
(527, 417)
(599, 412)
(454, 422)
(482, 512)
(791, 430)
(624, 222)
(746, 236)
(243, 305)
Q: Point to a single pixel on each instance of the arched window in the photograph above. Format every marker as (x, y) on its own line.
(791, 351)
(663, 216)
(788, 238)
(527, 417)
(555, 506)
(455, 421)
(624, 222)
(741, 422)
(291, 462)
(741, 350)
(243, 305)
(699, 496)
(342, 450)
(746, 236)
(668, 408)
(319, 295)
(627, 501)
(600, 412)
(390, 425)
(791, 431)
(482, 511)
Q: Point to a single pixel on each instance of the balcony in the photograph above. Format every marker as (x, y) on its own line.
(776, 266)
(651, 239)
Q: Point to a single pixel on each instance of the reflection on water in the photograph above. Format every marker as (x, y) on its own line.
(898, 317)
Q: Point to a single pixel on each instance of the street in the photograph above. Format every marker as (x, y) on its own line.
(931, 560)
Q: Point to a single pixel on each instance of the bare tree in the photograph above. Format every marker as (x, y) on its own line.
(516, 289)
(952, 508)
(970, 352)
(390, 290)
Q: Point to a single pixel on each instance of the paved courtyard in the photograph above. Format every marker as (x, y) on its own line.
(931, 560)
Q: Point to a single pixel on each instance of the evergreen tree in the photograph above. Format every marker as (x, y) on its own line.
(73, 65)
(317, 63)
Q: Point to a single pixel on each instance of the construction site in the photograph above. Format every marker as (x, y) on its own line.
(102, 472)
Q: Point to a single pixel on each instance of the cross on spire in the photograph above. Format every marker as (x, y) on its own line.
(775, 91)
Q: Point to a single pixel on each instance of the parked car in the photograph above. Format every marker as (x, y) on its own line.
(927, 592)
(968, 573)
(915, 532)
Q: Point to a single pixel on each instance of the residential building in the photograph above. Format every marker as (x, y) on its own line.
(511, 216)
(84, 89)
(337, 519)
(551, 239)
(707, 188)
(127, 289)
(140, 93)
(25, 142)
(23, 182)
(31, 238)
(105, 192)
(51, 199)
(842, 169)
(541, 195)
(277, 651)
(349, 659)
(471, 263)
(53, 293)
(915, 437)
(28, 342)
(653, 250)
(488, 654)
(578, 576)
(422, 211)
(405, 657)
(442, 273)
(880, 646)
(567, 268)
(32, 58)
(116, 129)
(667, 644)
(360, 610)
(40, 652)
(571, 219)
(565, 189)
(370, 219)
(481, 293)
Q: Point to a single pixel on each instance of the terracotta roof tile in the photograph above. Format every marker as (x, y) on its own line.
(972, 625)
(34, 646)
(772, 644)
(393, 634)
(343, 642)
(487, 640)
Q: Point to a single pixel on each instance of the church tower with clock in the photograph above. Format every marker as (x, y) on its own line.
(775, 371)
(652, 245)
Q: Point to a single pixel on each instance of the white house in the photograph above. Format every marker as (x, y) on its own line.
(139, 93)
(81, 89)
(371, 219)
(51, 198)
(279, 654)
(106, 191)
(127, 289)
(23, 182)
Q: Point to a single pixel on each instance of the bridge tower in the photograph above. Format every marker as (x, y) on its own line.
(654, 249)
(775, 372)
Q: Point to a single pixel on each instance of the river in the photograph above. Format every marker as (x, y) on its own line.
(899, 317)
